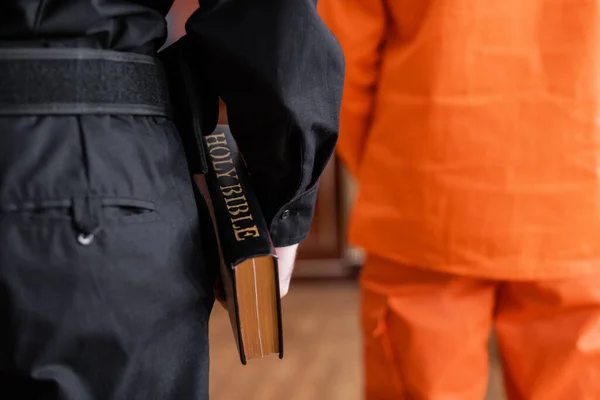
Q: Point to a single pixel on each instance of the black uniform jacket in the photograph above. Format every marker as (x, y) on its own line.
(274, 63)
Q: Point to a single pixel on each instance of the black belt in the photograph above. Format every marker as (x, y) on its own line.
(71, 81)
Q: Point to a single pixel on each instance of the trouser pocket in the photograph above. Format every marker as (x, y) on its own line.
(101, 314)
(87, 214)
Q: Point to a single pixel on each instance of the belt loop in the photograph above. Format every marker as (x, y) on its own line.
(87, 216)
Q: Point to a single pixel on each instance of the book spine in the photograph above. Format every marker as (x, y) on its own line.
(241, 227)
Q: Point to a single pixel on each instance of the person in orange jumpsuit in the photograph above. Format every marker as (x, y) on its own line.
(472, 129)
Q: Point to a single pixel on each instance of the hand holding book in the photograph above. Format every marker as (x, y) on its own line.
(286, 255)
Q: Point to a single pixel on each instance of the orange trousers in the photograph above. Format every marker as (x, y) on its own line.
(426, 335)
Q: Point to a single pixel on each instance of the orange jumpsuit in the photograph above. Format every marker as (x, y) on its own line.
(472, 128)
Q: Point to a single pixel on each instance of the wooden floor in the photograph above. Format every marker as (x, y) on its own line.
(322, 359)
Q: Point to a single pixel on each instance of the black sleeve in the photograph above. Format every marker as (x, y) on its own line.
(280, 72)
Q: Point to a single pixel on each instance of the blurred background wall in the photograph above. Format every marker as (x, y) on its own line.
(321, 314)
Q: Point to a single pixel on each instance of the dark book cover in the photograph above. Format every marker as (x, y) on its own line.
(242, 227)
(242, 231)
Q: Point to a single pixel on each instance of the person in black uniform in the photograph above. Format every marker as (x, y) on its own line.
(105, 291)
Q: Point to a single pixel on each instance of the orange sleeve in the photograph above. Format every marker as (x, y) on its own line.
(359, 26)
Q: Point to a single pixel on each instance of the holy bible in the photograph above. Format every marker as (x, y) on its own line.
(249, 272)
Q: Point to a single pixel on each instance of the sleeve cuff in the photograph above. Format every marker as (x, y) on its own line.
(291, 225)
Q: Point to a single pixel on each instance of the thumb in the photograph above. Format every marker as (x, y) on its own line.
(286, 257)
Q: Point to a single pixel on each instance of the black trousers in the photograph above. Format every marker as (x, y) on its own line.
(105, 288)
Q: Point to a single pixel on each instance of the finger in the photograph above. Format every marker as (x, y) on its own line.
(284, 288)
